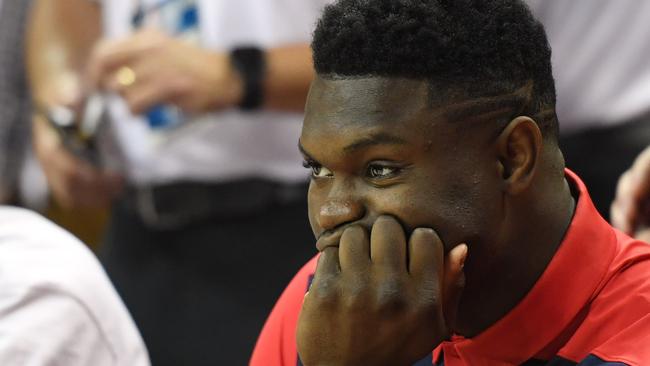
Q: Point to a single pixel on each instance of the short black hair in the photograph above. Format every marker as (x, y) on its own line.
(464, 48)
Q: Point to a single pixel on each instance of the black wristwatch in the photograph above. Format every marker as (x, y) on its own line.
(250, 63)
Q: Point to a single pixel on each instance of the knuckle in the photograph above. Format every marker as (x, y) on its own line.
(325, 290)
(356, 300)
(392, 297)
(429, 295)
(357, 292)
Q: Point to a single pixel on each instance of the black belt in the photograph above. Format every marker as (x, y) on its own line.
(171, 206)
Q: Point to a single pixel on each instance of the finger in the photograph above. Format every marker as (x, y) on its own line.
(453, 282)
(639, 182)
(325, 285)
(145, 71)
(643, 235)
(354, 249)
(619, 218)
(630, 193)
(388, 244)
(426, 255)
(109, 55)
(624, 203)
(143, 96)
(328, 263)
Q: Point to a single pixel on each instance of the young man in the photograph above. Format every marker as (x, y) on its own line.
(449, 231)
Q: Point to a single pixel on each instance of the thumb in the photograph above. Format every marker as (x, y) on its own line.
(453, 283)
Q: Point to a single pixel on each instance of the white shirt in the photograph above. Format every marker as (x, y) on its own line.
(229, 144)
(600, 59)
(57, 306)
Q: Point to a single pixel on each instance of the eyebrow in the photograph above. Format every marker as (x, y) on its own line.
(303, 151)
(374, 140)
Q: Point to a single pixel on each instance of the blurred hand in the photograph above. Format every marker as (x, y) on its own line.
(164, 70)
(73, 182)
(630, 211)
(380, 300)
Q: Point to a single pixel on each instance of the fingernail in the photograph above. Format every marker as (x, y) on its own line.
(423, 230)
(463, 255)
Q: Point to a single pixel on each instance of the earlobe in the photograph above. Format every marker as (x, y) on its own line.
(519, 146)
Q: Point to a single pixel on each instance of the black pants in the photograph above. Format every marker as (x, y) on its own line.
(200, 294)
(600, 156)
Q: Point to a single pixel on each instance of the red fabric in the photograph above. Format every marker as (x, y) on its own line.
(593, 298)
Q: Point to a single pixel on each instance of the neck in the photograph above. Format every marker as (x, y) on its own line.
(523, 255)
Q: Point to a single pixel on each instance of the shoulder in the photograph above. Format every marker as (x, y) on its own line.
(34, 251)
(42, 265)
(276, 345)
(616, 327)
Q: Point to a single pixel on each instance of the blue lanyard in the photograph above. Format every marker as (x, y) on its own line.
(189, 17)
(142, 11)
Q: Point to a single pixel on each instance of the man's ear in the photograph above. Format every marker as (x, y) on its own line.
(518, 149)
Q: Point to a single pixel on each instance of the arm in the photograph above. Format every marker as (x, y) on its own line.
(289, 75)
(60, 36)
(169, 70)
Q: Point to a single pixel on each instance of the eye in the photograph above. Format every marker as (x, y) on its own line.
(378, 171)
(317, 170)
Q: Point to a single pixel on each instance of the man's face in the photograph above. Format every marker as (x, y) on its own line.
(376, 147)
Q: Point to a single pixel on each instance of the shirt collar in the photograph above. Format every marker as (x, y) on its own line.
(564, 288)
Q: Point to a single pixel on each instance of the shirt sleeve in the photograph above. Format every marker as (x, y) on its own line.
(276, 345)
(48, 327)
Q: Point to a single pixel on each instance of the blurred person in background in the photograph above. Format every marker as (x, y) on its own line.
(22, 182)
(601, 63)
(57, 306)
(204, 101)
(14, 99)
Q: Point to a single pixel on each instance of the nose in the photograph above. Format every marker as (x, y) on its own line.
(337, 212)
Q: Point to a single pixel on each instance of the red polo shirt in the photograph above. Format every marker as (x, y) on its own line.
(591, 306)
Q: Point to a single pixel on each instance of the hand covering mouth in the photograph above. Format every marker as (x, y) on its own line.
(329, 238)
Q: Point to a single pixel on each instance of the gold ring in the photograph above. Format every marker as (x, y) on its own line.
(125, 76)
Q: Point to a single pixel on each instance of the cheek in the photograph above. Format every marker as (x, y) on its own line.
(314, 203)
(457, 212)
(470, 211)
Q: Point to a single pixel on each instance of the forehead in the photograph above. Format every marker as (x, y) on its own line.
(339, 108)
(365, 101)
